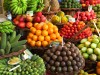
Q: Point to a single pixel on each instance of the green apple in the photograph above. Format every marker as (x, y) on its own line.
(97, 51)
(99, 38)
(95, 41)
(84, 49)
(93, 57)
(87, 43)
(93, 45)
(80, 46)
(83, 40)
(98, 45)
(85, 55)
(94, 36)
(90, 51)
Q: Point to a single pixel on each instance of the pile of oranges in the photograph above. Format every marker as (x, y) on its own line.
(42, 34)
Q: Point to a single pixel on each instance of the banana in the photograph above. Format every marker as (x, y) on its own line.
(14, 11)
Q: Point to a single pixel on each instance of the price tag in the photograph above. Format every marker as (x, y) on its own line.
(30, 13)
(27, 54)
(56, 43)
(71, 19)
(9, 16)
(90, 8)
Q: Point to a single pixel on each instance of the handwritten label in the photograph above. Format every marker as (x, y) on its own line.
(30, 13)
(90, 8)
(71, 19)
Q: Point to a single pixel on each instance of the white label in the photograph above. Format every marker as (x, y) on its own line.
(9, 16)
(27, 54)
(71, 19)
(30, 13)
(90, 8)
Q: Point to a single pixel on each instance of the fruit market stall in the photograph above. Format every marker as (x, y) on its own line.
(50, 37)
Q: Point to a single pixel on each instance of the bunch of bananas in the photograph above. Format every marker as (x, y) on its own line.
(35, 5)
(18, 6)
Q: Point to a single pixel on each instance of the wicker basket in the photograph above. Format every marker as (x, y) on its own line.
(70, 11)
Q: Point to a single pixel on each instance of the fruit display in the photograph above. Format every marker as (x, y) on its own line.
(85, 16)
(23, 21)
(35, 5)
(51, 5)
(59, 18)
(65, 60)
(39, 17)
(6, 27)
(82, 72)
(90, 48)
(86, 3)
(33, 66)
(98, 68)
(42, 34)
(72, 28)
(11, 43)
(70, 4)
(96, 8)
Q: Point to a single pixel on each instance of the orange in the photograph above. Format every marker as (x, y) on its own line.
(35, 24)
(44, 33)
(30, 35)
(57, 35)
(98, 70)
(55, 29)
(44, 43)
(50, 30)
(29, 24)
(33, 30)
(38, 32)
(47, 38)
(38, 43)
(41, 38)
(50, 25)
(34, 38)
(32, 43)
(98, 64)
(38, 27)
(29, 40)
(52, 36)
(60, 39)
(45, 27)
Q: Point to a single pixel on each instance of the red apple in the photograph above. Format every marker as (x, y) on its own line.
(82, 14)
(39, 14)
(29, 18)
(84, 18)
(87, 13)
(82, 1)
(16, 22)
(21, 24)
(43, 18)
(37, 19)
(87, 2)
(21, 19)
(18, 17)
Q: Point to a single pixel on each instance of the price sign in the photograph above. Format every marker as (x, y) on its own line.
(56, 43)
(90, 8)
(30, 13)
(71, 19)
(9, 16)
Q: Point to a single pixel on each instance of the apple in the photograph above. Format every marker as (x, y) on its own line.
(21, 19)
(37, 19)
(93, 45)
(93, 57)
(85, 55)
(83, 40)
(95, 41)
(83, 50)
(97, 51)
(39, 14)
(21, 24)
(87, 13)
(16, 22)
(81, 46)
(29, 18)
(82, 14)
(90, 51)
(84, 18)
(43, 18)
(87, 43)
